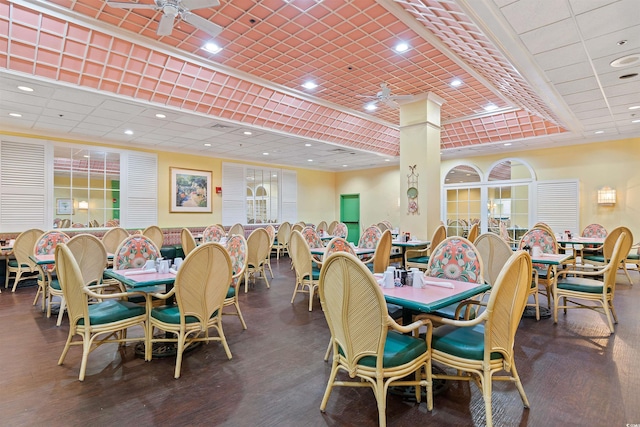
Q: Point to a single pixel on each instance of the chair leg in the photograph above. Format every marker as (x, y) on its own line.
(516, 377)
(327, 391)
(61, 311)
(244, 325)
(381, 397)
(328, 353)
(86, 349)
(624, 267)
(268, 265)
(180, 350)
(605, 308)
(537, 300)
(311, 293)
(16, 279)
(486, 394)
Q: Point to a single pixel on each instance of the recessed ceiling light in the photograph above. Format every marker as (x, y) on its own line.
(599, 132)
(621, 42)
(25, 88)
(625, 61)
(15, 114)
(310, 160)
(401, 47)
(86, 156)
(309, 85)
(161, 116)
(506, 144)
(634, 107)
(490, 107)
(387, 160)
(246, 132)
(265, 154)
(128, 132)
(307, 145)
(207, 144)
(371, 107)
(212, 47)
(344, 166)
(635, 121)
(456, 82)
(274, 175)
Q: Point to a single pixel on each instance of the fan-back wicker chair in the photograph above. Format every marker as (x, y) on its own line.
(474, 231)
(112, 239)
(602, 258)
(340, 230)
(46, 245)
(155, 234)
(419, 258)
(187, 241)
(237, 247)
(363, 335)
(134, 252)
(200, 289)
(331, 228)
(546, 241)
(322, 227)
(259, 246)
(381, 257)
(599, 293)
(306, 276)
(91, 256)
(111, 317)
(236, 229)
(22, 264)
(483, 346)
(271, 231)
(214, 233)
(369, 239)
(282, 239)
(314, 241)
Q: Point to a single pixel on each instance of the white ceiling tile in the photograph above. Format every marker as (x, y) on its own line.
(570, 73)
(617, 15)
(527, 15)
(551, 37)
(562, 56)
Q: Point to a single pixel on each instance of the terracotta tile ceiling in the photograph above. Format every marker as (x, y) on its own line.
(270, 48)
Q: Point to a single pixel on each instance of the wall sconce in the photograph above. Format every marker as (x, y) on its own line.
(607, 196)
(83, 205)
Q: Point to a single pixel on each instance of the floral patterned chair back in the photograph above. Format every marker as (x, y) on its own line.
(338, 244)
(46, 245)
(541, 238)
(312, 238)
(213, 233)
(271, 231)
(341, 230)
(456, 258)
(594, 230)
(237, 247)
(370, 237)
(134, 252)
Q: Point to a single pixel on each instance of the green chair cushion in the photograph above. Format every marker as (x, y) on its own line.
(112, 311)
(171, 314)
(449, 312)
(179, 251)
(231, 292)
(419, 260)
(315, 272)
(14, 263)
(542, 272)
(55, 284)
(594, 258)
(633, 256)
(398, 350)
(464, 342)
(580, 284)
(168, 252)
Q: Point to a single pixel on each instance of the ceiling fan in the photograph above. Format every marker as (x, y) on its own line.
(384, 96)
(172, 9)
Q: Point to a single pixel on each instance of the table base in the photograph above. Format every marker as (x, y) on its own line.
(409, 393)
(164, 349)
(530, 313)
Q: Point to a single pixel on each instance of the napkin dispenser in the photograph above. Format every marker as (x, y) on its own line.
(417, 278)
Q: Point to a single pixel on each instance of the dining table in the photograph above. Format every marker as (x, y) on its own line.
(410, 244)
(357, 250)
(553, 260)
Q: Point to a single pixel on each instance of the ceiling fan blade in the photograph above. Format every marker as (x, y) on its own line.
(128, 5)
(202, 24)
(165, 27)
(390, 103)
(401, 97)
(199, 4)
(367, 96)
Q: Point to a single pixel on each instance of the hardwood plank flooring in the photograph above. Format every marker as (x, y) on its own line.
(574, 373)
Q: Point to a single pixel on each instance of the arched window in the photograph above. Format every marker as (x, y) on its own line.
(463, 198)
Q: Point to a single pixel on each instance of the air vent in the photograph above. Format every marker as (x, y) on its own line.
(220, 126)
(338, 150)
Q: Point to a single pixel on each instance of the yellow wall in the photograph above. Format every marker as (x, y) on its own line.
(595, 165)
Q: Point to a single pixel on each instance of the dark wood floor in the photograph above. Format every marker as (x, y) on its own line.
(574, 373)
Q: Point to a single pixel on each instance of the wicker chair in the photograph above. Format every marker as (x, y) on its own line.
(473, 232)
(134, 252)
(314, 241)
(155, 234)
(259, 246)
(46, 245)
(546, 241)
(484, 346)
(606, 250)
(91, 257)
(369, 239)
(599, 293)
(187, 241)
(200, 289)
(213, 233)
(112, 239)
(455, 228)
(22, 264)
(458, 259)
(363, 335)
(306, 276)
(322, 226)
(419, 258)
(331, 228)
(237, 248)
(282, 239)
(340, 230)
(381, 257)
(111, 317)
(236, 229)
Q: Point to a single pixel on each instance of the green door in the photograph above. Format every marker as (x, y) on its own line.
(350, 215)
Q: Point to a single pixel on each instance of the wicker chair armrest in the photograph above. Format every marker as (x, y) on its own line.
(460, 323)
(118, 295)
(409, 253)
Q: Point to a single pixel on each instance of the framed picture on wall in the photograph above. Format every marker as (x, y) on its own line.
(64, 206)
(190, 190)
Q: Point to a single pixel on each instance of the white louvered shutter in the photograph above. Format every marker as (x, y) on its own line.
(289, 196)
(557, 204)
(234, 194)
(23, 186)
(140, 190)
